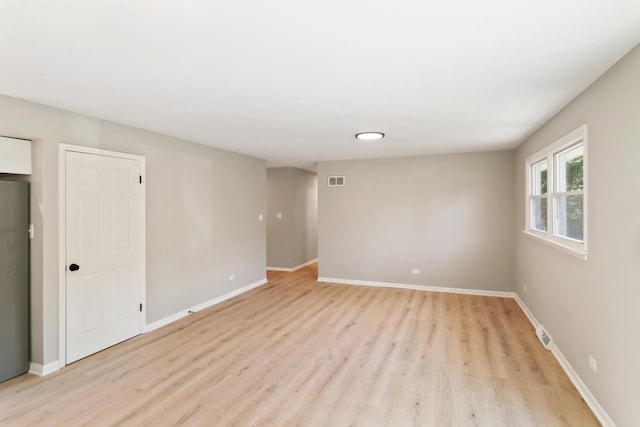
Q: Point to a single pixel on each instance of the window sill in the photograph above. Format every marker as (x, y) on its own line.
(571, 251)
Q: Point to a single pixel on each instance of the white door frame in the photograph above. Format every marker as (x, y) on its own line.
(62, 240)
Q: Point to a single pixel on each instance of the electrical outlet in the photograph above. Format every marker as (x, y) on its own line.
(525, 288)
(593, 364)
(415, 271)
(232, 276)
(260, 217)
(279, 215)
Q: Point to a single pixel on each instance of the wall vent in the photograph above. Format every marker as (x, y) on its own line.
(544, 337)
(336, 181)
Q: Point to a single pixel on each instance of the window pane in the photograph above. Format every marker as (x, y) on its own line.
(570, 217)
(570, 165)
(539, 178)
(539, 213)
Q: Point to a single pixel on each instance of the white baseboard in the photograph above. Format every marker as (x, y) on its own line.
(42, 370)
(184, 313)
(479, 292)
(584, 391)
(296, 268)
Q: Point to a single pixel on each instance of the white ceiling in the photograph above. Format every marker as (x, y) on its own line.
(292, 81)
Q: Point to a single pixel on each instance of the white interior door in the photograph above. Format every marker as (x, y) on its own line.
(104, 274)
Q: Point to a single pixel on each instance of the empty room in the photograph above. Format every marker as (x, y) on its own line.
(319, 213)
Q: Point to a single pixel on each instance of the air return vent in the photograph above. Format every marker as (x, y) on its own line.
(336, 181)
(544, 337)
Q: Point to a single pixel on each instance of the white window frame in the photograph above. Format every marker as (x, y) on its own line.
(566, 244)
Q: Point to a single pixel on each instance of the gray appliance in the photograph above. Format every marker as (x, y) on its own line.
(14, 279)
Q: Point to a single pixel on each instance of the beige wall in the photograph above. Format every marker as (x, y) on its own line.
(291, 240)
(593, 307)
(451, 216)
(202, 214)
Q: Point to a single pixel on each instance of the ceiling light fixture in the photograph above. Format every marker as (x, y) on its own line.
(369, 136)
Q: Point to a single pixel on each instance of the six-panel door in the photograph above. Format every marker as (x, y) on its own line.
(103, 223)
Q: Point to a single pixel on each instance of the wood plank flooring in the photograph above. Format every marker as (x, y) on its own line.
(296, 352)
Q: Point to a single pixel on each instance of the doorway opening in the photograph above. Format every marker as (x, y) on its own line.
(292, 218)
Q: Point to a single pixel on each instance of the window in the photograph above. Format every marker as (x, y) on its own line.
(556, 193)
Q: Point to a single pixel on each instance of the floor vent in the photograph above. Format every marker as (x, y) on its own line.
(544, 337)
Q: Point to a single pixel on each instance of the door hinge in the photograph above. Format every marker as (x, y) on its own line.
(140, 179)
(140, 307)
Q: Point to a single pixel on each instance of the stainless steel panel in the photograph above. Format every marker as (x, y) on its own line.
(14, 279)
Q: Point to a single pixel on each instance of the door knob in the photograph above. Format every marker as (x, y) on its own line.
(74, 267)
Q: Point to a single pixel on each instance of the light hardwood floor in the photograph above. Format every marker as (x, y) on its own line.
(298, 352)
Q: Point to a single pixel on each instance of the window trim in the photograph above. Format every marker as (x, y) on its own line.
(566, 244)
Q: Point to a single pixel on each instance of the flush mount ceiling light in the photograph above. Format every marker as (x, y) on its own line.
(369, 136)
